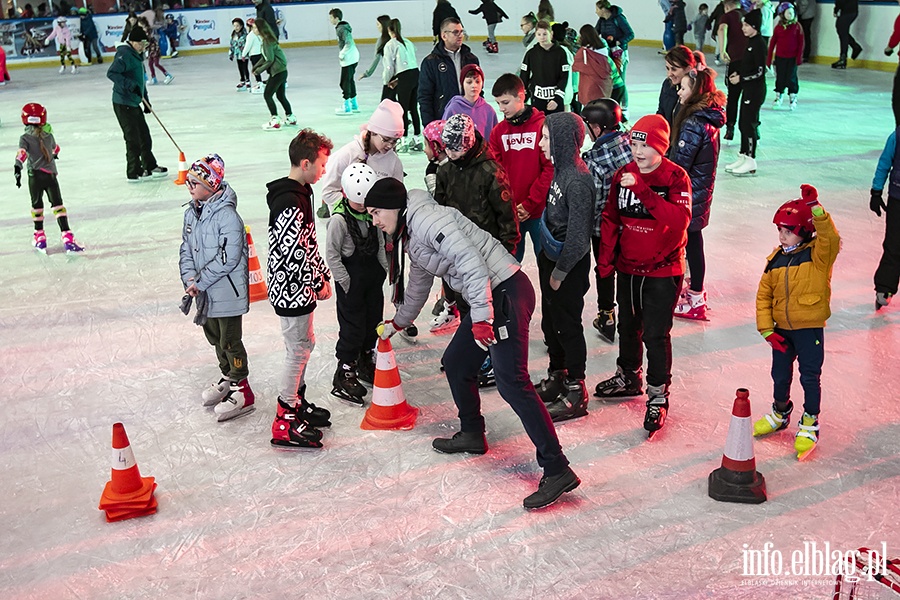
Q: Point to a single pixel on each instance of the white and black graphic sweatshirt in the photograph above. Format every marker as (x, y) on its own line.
(545, 73)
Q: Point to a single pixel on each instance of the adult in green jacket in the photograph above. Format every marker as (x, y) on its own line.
(129, 93)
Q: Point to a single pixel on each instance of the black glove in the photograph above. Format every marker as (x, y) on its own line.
(18, 171)
(888, 51)
(231, 57)
(876, 202)
(186, 303)
(146, 108)
(202, 302)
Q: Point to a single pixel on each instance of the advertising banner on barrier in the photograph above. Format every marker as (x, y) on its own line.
(28, 39)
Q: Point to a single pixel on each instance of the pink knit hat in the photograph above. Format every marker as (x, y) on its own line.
(387, 120)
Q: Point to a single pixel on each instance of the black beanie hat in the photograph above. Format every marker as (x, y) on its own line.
(754, 19)
(137, 34)
(387, 193)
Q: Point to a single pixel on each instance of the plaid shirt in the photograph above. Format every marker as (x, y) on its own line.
(610, 152)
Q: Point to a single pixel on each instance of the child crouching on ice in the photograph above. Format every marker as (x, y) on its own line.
(213, 263)
(792, 305)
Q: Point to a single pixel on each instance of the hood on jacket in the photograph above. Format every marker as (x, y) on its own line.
(345, 26)
(710, 109)
(222, 198)
(286, 185)
(593, 62)
(566, 137)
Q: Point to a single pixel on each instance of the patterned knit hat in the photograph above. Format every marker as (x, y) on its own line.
(210, 170)
(432, 133)
(459, 133)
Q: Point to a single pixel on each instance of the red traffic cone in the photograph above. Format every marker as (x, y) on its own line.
(126, 494)
(737, 480)
(182, 170)
(258, 289)
(389, 409)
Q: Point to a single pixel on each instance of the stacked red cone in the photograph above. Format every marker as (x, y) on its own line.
(127, 495)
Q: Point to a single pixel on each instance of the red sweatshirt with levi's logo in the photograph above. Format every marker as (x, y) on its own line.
(644, 227)
(516, 148)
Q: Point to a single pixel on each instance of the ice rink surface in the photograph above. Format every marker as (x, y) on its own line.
(91, 340)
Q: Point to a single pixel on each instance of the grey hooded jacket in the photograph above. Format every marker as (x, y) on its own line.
(443, 243)
(214, 254)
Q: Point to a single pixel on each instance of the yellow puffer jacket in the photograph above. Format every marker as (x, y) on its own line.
(795, 289)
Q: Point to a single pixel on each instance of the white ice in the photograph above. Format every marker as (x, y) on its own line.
(95, 339)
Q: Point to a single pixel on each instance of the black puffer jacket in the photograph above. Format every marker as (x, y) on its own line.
(668, 101)
(442, 11)
(616, 26)
(697, 152)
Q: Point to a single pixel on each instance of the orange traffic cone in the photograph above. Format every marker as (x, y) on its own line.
(389, 409)
(182, 170)
(258, 289)
(737, 480)
(126, 494)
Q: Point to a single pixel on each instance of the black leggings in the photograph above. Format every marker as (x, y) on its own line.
(255, 58)
(407, 91)
(752, 98)
(244, 70)
(38, 183)
(275, 86)
(696, 259)
(842, 25)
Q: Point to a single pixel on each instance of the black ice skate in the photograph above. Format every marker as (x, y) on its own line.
(346, 384)
(605, 324)
(309, 412)
(291, 432)
(620, 385)
(657, 409)
(365, 370)
(571, 403)
(550, 388)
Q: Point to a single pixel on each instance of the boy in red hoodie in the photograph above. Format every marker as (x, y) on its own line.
(643, 235)
(514, 145)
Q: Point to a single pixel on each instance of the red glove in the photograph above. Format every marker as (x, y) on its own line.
(483, 332)
(810, 195)
(776, 341)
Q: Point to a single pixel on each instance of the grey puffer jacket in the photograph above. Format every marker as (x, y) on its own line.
(443, 243)
(214, 253)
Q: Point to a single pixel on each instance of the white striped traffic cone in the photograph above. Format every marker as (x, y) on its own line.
(389, 409)
(182, 170)
(126, 494)
(737, 480)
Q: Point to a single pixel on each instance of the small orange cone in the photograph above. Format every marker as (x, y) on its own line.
(737, 480)
(258, 289)
(389, 409)
(126, 494)
(182, 170)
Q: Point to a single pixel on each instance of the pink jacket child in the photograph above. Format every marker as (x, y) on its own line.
(64, 43)
(4, 73)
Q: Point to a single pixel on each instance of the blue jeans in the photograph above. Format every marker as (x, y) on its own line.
(807, 346)
(513, 301)
(533, 228)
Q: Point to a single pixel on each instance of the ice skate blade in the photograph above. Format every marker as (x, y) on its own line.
(409, 340)
(804, 456)
(444, 329)
(347, 398)
(235, 415)
(747, 174)
(608, 340)
(619, 395)
(691, 317)
(292, 447)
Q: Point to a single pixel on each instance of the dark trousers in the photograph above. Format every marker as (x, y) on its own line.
(348, 81)
(407, 92)
(513, 302)
(606, 286)
(888, 272)
(786, 75)
(753, 96)
(361, 308)
(528, 228)
(388, 93)
(244, 70)
(842, 25)
(806, 24)
(895, 97)
(255, 58)
(807, 347)
(89, 45)
(275, 87)
(646, 305)
(40, 182)
(138, 143)
(696, 259)
(734, 94)
(224, 333)
(561, 315)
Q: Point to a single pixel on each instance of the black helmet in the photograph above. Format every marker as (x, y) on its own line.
(604, 112)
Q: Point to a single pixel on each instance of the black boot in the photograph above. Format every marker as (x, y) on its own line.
(346, 385)
(657, 408)
(570, 404)
(840, 63)
(309, 412)
(857, 50)
(550, 388)
(551, 488)
(472, 442)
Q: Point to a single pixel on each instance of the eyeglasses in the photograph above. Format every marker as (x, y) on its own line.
(191, 183)
(455, 32)
(388, 141)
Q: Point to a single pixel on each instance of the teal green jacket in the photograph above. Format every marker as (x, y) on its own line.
(127, 74)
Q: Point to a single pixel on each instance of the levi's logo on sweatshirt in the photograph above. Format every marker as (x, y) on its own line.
(526, 140)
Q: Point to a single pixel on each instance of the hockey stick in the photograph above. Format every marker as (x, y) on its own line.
(153, 112)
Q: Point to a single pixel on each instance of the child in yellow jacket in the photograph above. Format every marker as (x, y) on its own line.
(792, 305)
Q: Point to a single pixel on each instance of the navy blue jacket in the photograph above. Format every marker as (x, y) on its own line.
(697, 152)
(88, 28)
(616, 26)
(439, 81)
